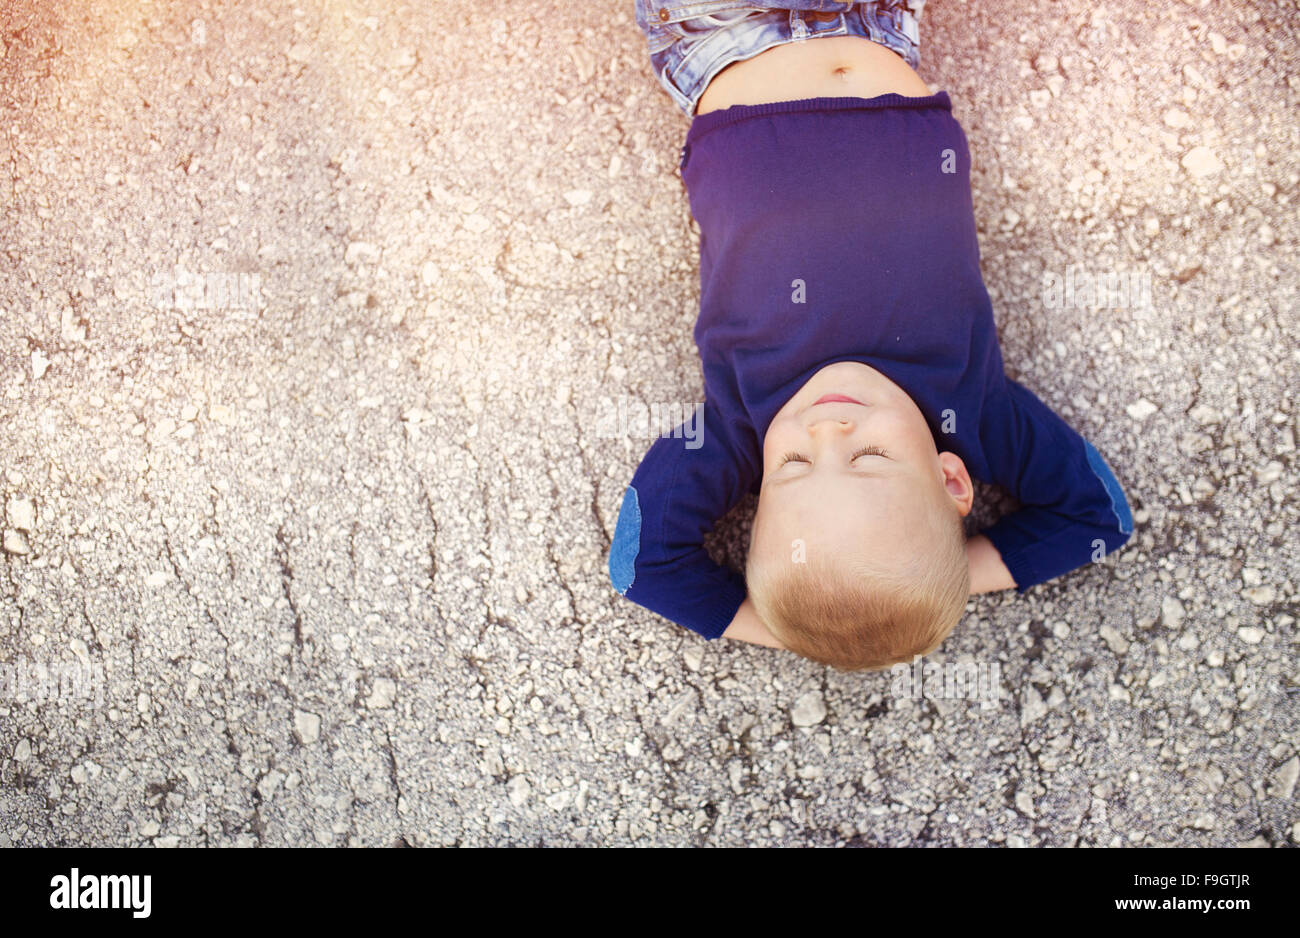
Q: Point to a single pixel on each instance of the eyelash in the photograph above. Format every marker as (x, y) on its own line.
(865, 451)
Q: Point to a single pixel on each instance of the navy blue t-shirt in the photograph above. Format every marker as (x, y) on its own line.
(867, 201)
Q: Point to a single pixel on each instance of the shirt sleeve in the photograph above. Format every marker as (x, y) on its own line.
(1073, 508)
(657, 557)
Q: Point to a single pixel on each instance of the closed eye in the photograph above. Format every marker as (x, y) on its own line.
(865, 451)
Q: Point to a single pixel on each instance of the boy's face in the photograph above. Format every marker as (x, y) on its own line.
(850, 468)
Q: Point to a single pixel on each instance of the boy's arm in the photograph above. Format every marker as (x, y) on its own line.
(1073, 509)
(748, 627)
(987, 571)
(681, 488)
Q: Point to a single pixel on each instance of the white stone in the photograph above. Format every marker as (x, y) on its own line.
(1172, 612)
(360, 252)
(382, 694)
(1032, 707)
(1269, 472)
(22, 513)
(1117, 643)
(1250, 634)
(1201, 162)
(15, 542)
(40, 364)
(1260, 595)
(1141, 409)
(809, 710)
(576, 197)
(518, 789)
(268, 783)
(1284, 779)
(308, 726)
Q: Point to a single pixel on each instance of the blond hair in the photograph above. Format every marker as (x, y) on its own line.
(853, 617)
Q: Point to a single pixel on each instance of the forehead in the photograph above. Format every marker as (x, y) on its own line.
(844, 515)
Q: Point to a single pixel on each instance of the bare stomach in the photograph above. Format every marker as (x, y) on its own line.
(830, 67)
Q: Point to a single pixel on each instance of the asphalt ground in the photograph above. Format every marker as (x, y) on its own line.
(314, 552)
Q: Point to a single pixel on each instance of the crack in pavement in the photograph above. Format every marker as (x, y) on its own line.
(286, 580)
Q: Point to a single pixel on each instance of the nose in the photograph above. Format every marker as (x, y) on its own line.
(830, 423)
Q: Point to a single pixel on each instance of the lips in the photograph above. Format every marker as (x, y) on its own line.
(835, 399)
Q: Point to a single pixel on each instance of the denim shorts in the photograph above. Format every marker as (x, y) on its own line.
(692, 40)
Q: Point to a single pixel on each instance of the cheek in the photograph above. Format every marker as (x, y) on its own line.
(909, 430)
(761, 532)
(776, 441)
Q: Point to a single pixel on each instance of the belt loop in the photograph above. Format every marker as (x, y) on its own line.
(798, 28)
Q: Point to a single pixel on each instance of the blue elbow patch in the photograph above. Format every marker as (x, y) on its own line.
(626, 544)
(1118, 504)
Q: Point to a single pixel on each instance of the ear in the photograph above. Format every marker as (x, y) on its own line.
(956, 482)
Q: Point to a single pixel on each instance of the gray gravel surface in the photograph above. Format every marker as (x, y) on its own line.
(325, 564)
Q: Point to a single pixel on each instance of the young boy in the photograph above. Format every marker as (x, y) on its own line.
(852, 373)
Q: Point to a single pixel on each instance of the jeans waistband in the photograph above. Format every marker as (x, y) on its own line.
(690, 41)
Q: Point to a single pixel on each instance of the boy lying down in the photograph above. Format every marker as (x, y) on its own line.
(853, 378)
